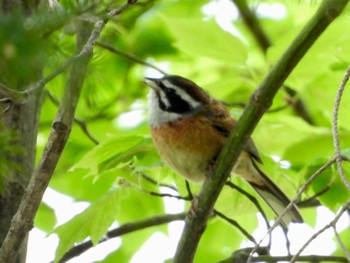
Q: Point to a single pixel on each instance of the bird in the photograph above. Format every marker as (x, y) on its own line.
(189, 128)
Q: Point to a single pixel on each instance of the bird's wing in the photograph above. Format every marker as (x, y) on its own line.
(223, 122)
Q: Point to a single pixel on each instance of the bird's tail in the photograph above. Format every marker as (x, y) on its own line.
(275, 198)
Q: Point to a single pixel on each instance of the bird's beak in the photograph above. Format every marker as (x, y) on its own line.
(152, 83)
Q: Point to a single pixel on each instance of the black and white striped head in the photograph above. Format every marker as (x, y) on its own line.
(172, 98)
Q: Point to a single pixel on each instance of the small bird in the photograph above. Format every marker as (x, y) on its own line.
(189, 129)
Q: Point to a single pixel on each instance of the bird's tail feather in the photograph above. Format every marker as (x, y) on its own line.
(276, 199)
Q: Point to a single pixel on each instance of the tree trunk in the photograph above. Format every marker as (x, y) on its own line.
(20, 122)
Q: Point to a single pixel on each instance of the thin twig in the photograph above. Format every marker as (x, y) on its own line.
(293, 202)
(264, 42)
(236, 225)
(8, 92)
(241, 256)
(314, 236)
(312, 201)
(298, 105)
(189, 191)
(151, 180)
(335, 133)
(340, 242)
(167, 195)
(311, 258)
(122, 230)
(128, 56)
(253, 24)
(345, 158)
(252, 199)
(99, 25)
(41, 83)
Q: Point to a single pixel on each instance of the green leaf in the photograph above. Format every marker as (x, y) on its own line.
(153, 35)
(317, 146)
(114, 152)
(277, 132)
(309, 215)
(220, 239)
(336, 192)
(196, 37)
(92, 222)
(45, 218)
(78, 185)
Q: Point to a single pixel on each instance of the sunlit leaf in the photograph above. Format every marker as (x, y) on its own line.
(93, 222)
(45, 218)
(196, 37)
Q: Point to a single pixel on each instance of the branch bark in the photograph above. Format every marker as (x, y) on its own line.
(22, 222)
(259, 103)
(253, 24)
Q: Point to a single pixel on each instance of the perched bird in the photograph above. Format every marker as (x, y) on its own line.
(189, 128)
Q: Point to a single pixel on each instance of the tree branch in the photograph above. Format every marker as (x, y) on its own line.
(253, 24)
(298, 105)
(80, 123)
(22, 222)
(259, 103)
(276, 259)
(249, 18)
(122, 230)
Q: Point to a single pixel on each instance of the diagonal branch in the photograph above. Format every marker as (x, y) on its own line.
(128, 56)
(253, 24)
(80, 123)
(311, 258)
(259, 103)
(122, 230)
(236, 225)
(251, 21)
(22, 222)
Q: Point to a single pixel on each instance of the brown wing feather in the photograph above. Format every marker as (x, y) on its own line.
(246, 168)
(221, 120)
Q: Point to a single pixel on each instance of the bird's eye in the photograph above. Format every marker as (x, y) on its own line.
(170, 92)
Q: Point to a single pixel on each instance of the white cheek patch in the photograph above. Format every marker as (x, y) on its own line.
(156, 116)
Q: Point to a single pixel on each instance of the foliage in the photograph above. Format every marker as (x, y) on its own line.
(109, 157)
